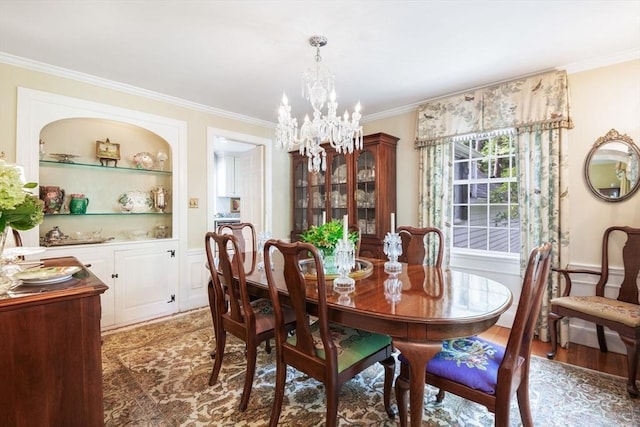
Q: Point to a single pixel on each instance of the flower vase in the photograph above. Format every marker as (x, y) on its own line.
(328, 261)
(5, 281)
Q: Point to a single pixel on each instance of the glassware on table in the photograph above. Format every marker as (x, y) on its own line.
(263, 236)
(345, 260)
(393, 249)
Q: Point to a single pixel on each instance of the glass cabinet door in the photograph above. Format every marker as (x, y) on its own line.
(301, 196)
(338, 190)
(317, 197)
(366, 192)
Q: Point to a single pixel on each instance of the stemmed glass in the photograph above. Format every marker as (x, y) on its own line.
(393, 249)
(263, 236)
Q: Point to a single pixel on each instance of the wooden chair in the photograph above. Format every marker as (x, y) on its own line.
(328, 352)
(484, 372)
(621, 314)
(416, 240)
(232, 311)
(244, 232)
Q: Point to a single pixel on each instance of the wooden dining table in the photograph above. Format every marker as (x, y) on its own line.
(418, 307)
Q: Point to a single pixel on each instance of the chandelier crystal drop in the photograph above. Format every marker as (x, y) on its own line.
(343, 133)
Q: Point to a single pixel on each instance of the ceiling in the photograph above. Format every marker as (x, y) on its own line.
(238, 57)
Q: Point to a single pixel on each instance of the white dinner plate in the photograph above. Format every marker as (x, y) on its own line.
(16, 251)
(46, 275)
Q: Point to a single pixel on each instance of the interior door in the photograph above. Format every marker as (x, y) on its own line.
(253, 188)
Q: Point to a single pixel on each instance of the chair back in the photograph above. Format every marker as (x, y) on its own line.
(244, 232)
(418, 242)
(630, 259)
(518, 348)
(222, 277)
(245, 235)
(303, 351)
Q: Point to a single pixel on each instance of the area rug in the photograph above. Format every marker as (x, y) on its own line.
(157, 374)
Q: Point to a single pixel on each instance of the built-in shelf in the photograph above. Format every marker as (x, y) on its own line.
(53, 163)
(106, 213)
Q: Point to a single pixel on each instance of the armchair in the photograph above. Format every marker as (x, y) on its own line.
(621, 314)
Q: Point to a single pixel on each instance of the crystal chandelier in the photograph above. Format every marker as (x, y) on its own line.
(344, 134)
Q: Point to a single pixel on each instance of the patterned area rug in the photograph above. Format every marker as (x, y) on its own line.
(157, 374)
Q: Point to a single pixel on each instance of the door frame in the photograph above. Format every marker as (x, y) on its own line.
(212, 134)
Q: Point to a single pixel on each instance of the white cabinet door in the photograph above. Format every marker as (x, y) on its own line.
(145, 283)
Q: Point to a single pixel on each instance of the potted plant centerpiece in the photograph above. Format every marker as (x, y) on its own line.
(325, 237)
(19, 209)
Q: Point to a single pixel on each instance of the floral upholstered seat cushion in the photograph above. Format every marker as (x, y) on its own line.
(606, 308)
(265, 318)
(471, 361)
(353, 344)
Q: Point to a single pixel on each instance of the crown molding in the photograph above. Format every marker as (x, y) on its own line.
(128, 89)
(133, 90)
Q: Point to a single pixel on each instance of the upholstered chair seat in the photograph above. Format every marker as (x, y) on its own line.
(603, 308)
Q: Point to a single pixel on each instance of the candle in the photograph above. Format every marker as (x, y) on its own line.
(393, 222)
(324, 217)
(345, 228)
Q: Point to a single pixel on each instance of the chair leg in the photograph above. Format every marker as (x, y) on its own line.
(402, 395)
(252, 355)
(440, 396)
(602, 342)
(221, 338)
(389, 365)
(632, 365)
(267, 346)
(278, 394)
(332, 391)
(552, 320)
(523, 402)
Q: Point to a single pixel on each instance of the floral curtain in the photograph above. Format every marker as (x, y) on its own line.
(537, 107)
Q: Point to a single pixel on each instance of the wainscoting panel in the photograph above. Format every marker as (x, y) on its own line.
(193, 293)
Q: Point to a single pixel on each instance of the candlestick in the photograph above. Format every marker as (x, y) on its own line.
(324, 217)
(393, 222)
(345, 227)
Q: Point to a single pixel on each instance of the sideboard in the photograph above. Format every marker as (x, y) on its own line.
(51, 360)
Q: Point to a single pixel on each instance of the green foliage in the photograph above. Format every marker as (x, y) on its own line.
(325, 237)
(18, 209)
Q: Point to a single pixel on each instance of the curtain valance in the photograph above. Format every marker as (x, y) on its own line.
(537, 101)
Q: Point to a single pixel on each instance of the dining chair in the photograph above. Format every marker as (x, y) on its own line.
(245, 233)
(329, 352)
(485, 372)
(620, 314)
(233, 311)
(415, 243)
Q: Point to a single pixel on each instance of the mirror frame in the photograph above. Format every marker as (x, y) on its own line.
(611, 136)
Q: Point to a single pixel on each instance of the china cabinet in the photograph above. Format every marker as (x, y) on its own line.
(361, 185)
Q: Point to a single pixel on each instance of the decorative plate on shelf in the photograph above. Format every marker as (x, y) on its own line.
(63, 158)
(135, 201)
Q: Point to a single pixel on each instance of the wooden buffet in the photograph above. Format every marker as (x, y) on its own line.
(50, 357)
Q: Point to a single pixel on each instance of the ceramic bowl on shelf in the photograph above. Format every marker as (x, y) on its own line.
(144, 160)
(138, 234)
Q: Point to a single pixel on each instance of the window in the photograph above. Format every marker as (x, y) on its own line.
(485, 195)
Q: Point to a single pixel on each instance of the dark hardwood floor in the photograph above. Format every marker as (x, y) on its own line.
(576, 354)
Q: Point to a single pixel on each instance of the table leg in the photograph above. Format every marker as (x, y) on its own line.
(418, 354)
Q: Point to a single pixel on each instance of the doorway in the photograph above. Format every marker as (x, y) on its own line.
(253, 155)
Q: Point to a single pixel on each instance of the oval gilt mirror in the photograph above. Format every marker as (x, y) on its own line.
(611, 167)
